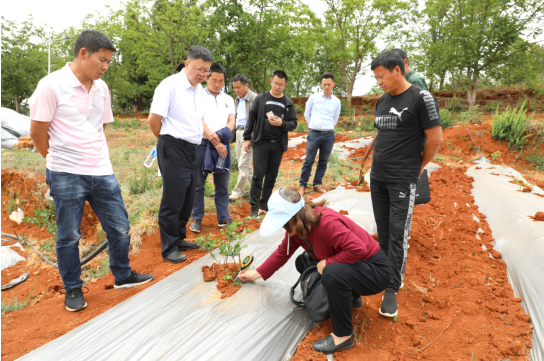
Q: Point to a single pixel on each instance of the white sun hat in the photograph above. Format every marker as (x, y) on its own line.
(280, 211)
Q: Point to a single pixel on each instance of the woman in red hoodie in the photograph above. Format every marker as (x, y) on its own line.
(350, 260)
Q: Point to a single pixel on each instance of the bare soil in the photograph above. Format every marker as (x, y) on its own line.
(456, 301)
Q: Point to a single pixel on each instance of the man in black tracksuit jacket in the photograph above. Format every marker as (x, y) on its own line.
(271, 117)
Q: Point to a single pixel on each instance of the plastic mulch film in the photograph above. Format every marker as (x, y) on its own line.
(14, 126)
(518, 238)
(183, 318)
(10, 257)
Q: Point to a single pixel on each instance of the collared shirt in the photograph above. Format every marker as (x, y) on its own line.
(217, 110)
(414, 78)
(321, 112)
(241, 112)
(181, 107)
(77, 143)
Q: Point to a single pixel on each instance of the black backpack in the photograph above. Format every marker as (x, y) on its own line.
(314, 295)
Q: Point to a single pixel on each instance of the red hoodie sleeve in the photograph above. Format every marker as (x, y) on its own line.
(348, 246)
(280, 256)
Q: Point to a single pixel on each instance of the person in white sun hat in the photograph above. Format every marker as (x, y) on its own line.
(349, 259)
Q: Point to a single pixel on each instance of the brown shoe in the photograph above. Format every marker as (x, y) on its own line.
(320, 189)
(301, 191)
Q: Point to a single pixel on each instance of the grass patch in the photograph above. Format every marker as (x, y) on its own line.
(15, 305)
(46, 217)
(446, 118)
(511, 126)
(102, 270)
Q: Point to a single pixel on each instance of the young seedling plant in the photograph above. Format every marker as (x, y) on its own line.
(230, 246)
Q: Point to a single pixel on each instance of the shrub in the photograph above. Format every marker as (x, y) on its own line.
(345, 110)
(458, 106)
(116, 123)
(143, 180)
(302, 127)
(470, 116)
(299, 108)
(510, 126)
(446, 118)
(46, 217)
(492, 106)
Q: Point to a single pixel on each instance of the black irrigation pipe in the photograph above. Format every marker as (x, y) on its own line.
(48, 261)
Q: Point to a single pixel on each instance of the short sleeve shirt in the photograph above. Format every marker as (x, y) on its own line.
(217, 110)
(181, 108)
(77, 143)
(401, 121)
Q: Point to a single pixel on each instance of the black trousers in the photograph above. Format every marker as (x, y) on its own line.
(344, 282)
(393, 205)
(178, 166)
(266, 164)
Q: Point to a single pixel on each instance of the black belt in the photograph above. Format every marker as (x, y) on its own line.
(242, 127)
(322, 131)
(181, 141)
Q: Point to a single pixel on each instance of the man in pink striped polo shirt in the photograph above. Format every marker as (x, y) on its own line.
(69, 110)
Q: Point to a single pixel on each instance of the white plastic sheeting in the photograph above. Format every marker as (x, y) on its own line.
(10, 257)
(518, 238)
(14, 126)
(183, 318)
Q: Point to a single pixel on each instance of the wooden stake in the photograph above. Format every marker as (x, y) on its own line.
(453, 108)
(136, 111)
(365, 157)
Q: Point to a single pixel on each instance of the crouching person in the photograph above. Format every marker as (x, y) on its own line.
(350, 260)
(69, 110)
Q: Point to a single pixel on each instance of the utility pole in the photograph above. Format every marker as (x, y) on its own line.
(49, 51)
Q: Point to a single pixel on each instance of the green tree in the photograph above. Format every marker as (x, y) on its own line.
(479, 35)
(24, 61)
(260, 36)
(164, 30)
(350, 30)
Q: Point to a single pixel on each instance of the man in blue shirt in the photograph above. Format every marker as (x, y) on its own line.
(322, 112)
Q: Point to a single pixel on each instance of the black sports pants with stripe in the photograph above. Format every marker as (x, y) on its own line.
(393, 205)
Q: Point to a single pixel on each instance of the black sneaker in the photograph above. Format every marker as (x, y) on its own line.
(73, 299)
(135, 279)
(195, 226)
(254, 212)
(357, 303)
(263, 209)
(224, 224)
(389, 304)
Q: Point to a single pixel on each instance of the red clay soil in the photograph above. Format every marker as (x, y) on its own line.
(217, 272)
(295, 153)
(539, 216)
(456, 300)
(46, 318)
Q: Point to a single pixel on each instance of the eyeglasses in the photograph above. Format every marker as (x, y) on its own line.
(201, 72)
(279, 85)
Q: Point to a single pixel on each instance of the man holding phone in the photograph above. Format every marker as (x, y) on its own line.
(271, 117)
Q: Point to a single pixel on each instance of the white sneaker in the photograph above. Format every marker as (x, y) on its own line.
(233, 197)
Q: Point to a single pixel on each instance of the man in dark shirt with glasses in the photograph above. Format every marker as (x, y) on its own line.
(271, 117)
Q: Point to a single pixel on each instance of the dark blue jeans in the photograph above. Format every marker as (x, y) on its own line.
(70, 191)
(221, 182)
(316, 141)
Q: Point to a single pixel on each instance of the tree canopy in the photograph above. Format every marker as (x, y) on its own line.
(455, 44)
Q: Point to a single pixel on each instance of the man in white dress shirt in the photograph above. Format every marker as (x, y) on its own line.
(322, 112)
(175, 118)
(218, 115)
